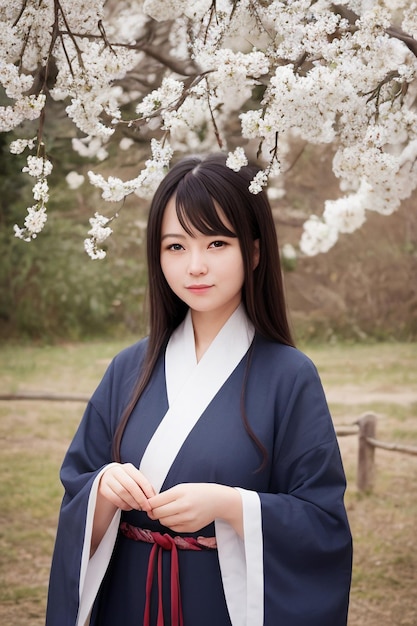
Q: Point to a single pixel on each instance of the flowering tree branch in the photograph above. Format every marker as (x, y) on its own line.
(185, 72)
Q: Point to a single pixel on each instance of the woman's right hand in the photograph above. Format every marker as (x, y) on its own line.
(126, 487)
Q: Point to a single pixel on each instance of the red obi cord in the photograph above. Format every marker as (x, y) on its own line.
(165, 542)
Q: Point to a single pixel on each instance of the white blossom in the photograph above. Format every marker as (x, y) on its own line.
(275, 192)
(99, 229)
(289, 252)
(409, 23)
(258, 182)
(190, 126)
(166, 96)
(345, 214)
(15, 84)
(90, 147)
(35, 220)
(237, 159)
(37, 166)
(74, 180)
(99, 232)
(126, 143)
(93, 251)
(317, 236)
(26, 108)
(20, 233)
(86, 116)
(114, 189)
(41, 191)
(251, 124)
(164, 10)
(287, 70)
(155, 169)
(19, 145)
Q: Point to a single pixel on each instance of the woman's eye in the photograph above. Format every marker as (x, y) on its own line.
(217, 244)
(175, 246)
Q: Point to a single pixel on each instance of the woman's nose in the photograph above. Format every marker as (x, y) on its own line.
(197, 264)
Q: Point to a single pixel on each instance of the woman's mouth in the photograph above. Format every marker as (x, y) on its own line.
(199, 289)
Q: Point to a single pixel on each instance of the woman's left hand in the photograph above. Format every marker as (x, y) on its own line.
(188, 507)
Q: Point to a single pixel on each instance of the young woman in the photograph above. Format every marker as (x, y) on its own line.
(204, 486)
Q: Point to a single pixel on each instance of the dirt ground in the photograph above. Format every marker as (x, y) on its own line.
(384, 530)
(383, 522)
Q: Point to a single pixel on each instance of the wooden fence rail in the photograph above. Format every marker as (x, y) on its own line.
(364, 428)
(45, 396)
(366, 451)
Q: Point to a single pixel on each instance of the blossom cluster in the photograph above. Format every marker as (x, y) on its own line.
(327, 73)
(39, 167)
(114, 190)
(98, 232)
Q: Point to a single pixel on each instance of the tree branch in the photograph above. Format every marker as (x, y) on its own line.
(409, 41)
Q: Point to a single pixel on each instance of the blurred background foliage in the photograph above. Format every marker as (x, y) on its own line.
(49, 288)
(365, 288)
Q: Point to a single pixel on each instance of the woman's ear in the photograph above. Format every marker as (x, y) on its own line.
(256, 254)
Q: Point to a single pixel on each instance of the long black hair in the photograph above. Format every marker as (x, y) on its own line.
(198, 184)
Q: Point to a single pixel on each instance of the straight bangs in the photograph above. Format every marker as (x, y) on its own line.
(196, 209)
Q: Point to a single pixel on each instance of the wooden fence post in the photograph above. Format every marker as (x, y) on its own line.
(366, 452)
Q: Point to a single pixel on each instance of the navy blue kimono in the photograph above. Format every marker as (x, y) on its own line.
(307, 548)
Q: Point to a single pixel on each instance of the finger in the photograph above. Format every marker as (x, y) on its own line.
(163, 512)
(140, 479)
(171, 520)
(117, 487)
(110, 495)
(136, 484)
(169, 502)
(178, 524)
(165, 497)
(119, 481)
(134, 491)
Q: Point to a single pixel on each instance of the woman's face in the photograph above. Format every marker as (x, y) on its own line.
(204, 271)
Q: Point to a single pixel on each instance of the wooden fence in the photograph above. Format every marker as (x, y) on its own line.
(364, 428)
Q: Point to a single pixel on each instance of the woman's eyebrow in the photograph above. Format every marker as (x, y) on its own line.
(175, 235)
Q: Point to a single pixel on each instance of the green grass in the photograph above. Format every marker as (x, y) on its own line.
(55, 367)
(379, 365)
(34, 436)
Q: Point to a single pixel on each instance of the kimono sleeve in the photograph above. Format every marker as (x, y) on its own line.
(293, 564)
(88, 453)
(306, 538)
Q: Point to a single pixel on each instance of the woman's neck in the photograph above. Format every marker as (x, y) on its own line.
(206, 327)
